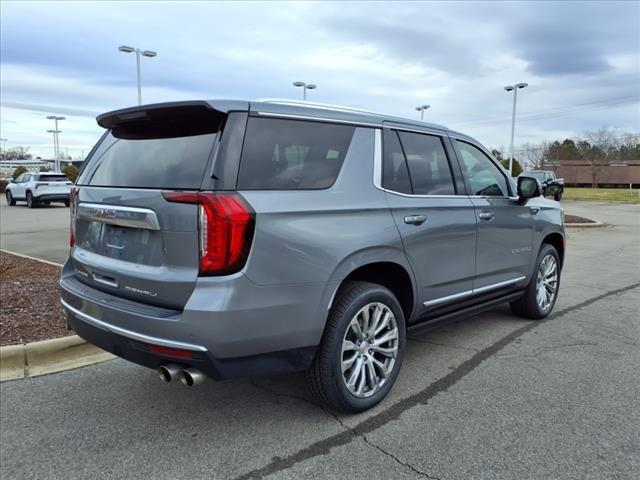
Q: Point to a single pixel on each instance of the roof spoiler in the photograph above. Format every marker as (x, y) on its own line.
(171, 119)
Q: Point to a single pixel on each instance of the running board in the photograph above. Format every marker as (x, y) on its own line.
(428, 323)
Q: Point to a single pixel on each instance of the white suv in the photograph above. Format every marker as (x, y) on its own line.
(39, 188)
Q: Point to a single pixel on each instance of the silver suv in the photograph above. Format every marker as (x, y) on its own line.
(229, 238)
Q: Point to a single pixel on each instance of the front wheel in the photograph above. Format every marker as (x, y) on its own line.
(541, 293)
(66, 203)
(558, 196)
(10, 200)
(362, 349)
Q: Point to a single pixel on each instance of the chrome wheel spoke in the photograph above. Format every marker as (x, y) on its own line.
(355, 373)
(387, 352)
(387, 337)
(371, 372)
(348, 362)
(381, 366)
(355, 326)
(383, 323)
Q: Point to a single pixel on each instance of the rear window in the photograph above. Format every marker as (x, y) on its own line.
(176, 163)
(292, 154)
(53, 178)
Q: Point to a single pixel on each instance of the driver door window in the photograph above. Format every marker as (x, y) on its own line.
(481, 175)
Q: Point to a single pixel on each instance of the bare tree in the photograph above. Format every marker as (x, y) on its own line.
(599, 149)
(534, 156)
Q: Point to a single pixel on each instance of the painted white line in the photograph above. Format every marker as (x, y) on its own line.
(30, 257)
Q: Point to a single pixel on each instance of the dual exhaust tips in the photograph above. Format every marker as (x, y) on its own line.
(188, 376)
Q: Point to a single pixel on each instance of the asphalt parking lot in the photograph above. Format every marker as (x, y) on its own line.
(492, 396)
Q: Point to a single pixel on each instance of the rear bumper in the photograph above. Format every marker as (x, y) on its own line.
(241, 340)
(52, 197)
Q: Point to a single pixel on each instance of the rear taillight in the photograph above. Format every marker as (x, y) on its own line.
(226, 224)
(73, 199)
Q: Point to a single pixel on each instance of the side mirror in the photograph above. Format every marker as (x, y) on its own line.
(528, 187)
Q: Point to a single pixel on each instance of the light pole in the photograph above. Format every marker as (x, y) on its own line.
(55, 148)
(305, 87)
(56, 139)
(515, 89)
(138, 52)
(3, 144)
(421, 109)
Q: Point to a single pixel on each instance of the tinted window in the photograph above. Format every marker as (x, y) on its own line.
(177, 162)
(428, 164)
(26, 178)
(19, 178)
(53, 178)
(481, 175)
(394, 167)
(291, 154)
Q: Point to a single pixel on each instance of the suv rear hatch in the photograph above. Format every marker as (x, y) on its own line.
(129, 237)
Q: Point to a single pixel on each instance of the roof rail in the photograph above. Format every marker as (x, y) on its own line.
(325, 106)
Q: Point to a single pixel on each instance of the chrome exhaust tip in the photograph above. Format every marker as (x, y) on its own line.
(169, 372)
(192, 377)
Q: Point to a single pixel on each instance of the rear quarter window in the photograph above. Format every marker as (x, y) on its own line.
(292, 154)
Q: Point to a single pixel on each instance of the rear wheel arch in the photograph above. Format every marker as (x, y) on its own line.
(390, 275)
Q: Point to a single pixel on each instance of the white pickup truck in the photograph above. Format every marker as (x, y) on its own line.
(39, 188)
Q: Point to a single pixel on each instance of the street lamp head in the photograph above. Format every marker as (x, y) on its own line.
(149, 53)
(124, 48)
(311, 86)
(508, 88)
(422, 107)
(298, 84)
(522, 85)
(55, 117)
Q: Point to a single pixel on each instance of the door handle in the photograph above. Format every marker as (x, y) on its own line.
(415, 219)
(486, 215)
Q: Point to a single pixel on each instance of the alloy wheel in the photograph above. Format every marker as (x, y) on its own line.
(369, 349)
(547, 282)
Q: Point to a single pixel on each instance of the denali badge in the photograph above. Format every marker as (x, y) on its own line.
(143, 292)
(104, 213)
(521, 250)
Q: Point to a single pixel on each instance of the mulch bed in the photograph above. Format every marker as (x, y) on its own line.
(577, 219)
(30, 307)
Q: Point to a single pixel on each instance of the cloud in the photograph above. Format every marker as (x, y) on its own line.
(457, 57)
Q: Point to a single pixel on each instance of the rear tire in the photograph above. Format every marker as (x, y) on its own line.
(558, 196)
(31, 203)
(542, 292)
(362, 349)
(10, 200)
(66, 203)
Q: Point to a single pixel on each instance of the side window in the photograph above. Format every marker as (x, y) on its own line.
(26, 178)
(395, 175)
(19, 179)
(428, 164)
(292, 154)
(481, 175)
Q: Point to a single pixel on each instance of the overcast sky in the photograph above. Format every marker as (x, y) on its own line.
(581, 60)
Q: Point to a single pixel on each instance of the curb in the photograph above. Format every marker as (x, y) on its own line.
(585, 225)
(30, 257)
(48, 356)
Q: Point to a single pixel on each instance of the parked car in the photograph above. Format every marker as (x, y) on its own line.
(226, 239)
(551, 185)
(39, 188)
